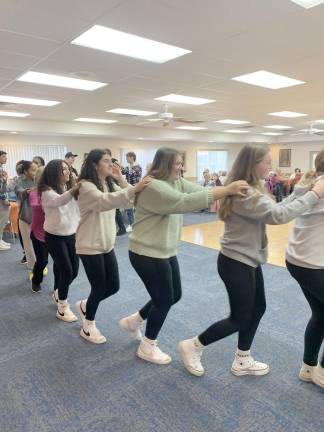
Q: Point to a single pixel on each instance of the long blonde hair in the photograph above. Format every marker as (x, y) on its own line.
(244, 168)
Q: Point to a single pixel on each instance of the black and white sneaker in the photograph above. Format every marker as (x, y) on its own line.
(81, 308)
(55, 297)
(35, 288)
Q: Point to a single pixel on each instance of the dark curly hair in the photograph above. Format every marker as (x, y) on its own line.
(52, 177)
(89, 172)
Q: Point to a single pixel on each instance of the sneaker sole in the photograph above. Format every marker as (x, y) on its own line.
(65, 319)
(124, 325)
(80, 311)
(305, 378)
(188, 367)
(318, 382)
(89, 339)
(143, 356)
(250, 372)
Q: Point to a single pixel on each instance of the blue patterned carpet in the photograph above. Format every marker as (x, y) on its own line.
(51, 380)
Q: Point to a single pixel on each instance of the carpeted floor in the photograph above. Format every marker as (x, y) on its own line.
(52, 380)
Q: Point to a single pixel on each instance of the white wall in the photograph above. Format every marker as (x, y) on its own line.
(81, 145)
(300, 154)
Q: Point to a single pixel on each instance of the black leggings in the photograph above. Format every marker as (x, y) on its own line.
(62, 250)
(245, 288)
(161, 278)
(41, 254)
(311, 282)
(102, 273)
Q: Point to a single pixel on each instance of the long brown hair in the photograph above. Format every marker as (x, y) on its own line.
(51, 178)
(162, 163)
(319, 163)
(244, 168)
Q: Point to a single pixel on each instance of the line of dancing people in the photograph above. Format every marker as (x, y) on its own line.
(72, 220)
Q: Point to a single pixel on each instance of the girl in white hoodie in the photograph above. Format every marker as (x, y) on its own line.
(98, 198)
(305, 262)
(62, 217)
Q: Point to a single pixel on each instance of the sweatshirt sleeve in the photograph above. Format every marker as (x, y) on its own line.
(160, 198)
(92, 198)
(189, 187)
(52, 199)
(260, 207)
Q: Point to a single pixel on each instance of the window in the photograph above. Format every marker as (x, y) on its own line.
(17, 152)
(214, 160)
(144, 157)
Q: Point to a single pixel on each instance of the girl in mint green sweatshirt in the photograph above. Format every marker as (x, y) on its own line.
(154, 240)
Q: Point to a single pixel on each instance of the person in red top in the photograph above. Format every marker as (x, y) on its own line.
(37, 236)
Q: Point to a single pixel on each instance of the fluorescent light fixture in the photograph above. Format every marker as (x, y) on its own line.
(117, 42)
(237, 131)
(311, 130)
(94, 120)
(279, 127)
(319, 121)
(13, 114)
(267, 80)
(192, 128)
(288, 114)
(272, 133)
(60, 81)
(27, 101)
(232, 122)
(131, 112)
(184, 99)
(307, 4)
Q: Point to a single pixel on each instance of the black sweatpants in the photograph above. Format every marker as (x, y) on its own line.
(62, 251)
(41, 254)
(311, 282)
(161, 278)
(245, 288)
(103, 275)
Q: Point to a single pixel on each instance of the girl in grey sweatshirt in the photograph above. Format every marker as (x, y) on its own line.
(243, 250)
(305, 262)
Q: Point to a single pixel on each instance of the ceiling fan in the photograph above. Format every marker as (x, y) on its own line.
(310, 131)
(167, 118)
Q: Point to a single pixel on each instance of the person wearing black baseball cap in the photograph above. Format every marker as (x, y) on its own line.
(69, 159)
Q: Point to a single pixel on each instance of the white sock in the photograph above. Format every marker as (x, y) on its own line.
(197, 343)
(149, 341)
(88, 323)
(242, 353)
(62, 302)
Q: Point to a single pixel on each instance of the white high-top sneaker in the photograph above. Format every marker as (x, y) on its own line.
(55, 297)
(244, 364)
(149, 351)
(191, 351)
(5, 243)
(133, 324)
(64, 312)
(90, 332)
(306, 372)
(318, 375)
(81, 308)
(4, 247)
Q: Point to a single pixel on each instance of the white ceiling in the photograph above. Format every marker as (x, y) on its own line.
(227, 38)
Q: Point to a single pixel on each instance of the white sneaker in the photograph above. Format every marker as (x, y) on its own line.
(81, 308)
(129, 229)
(246, 365)
(133, 324)
(4, 247)
(191, 356)
(149, 351)
(306, 372)
(5, 243)
(90, 332)
(318, 375)
(55, 297)
(64, 313)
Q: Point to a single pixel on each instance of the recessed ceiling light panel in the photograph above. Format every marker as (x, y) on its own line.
(117, 42)
(131, 112)
(233, 122)
(94, 120)
(27, 101)
(268, 80)
(288, 114)
(184, 99)
(192, 128)
(13, 114)
(307, 4)
(236, 131)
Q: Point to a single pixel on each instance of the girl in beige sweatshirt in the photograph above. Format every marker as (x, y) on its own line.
(98, 198)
